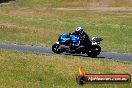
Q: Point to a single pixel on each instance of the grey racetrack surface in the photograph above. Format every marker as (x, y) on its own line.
(34, 49)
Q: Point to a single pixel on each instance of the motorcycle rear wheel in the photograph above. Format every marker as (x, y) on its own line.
(96, 49)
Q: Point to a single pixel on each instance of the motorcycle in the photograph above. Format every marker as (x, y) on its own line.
(71, 44)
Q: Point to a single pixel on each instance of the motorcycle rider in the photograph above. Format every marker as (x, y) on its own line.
(84, 38)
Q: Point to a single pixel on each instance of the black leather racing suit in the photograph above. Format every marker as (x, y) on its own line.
(84, 39)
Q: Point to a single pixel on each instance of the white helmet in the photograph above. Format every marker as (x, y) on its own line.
(79, 30)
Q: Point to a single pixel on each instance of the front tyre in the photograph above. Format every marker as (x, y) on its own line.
(56, 48)
(96, 49)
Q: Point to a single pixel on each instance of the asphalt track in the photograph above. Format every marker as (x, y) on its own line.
(35, 49)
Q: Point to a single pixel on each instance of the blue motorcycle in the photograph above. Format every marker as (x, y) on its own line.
(71, 44)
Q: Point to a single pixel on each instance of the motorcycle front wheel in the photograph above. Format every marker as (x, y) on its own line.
(56, 48)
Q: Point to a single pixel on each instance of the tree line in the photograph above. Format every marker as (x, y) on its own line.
(2, 1)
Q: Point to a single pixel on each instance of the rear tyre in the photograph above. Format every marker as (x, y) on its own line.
(96, 49)
(56, 48)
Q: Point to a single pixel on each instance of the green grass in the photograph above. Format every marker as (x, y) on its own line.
(69, 3)
(74, 3)
(24, 70)
(42, 27)
(27, 22)
(34, 22)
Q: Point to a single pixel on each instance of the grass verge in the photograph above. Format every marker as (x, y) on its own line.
(24, 70)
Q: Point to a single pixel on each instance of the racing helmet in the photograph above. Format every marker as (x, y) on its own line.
(79, 30)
